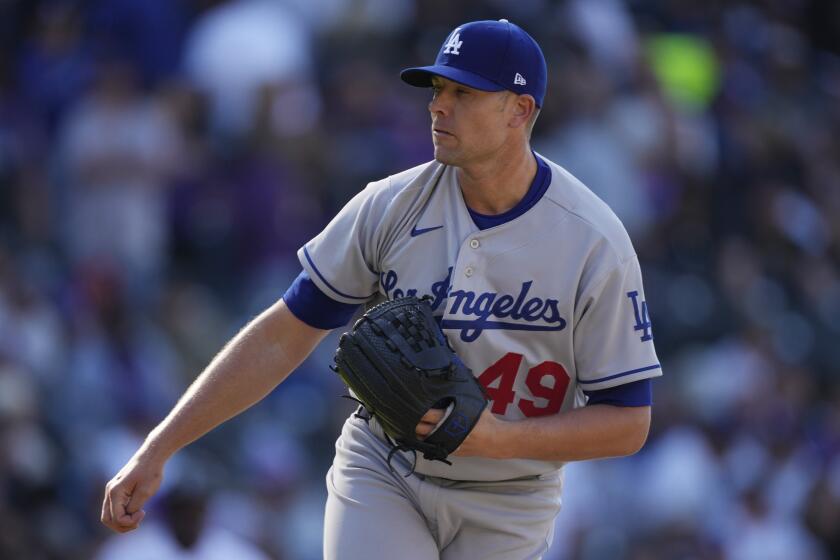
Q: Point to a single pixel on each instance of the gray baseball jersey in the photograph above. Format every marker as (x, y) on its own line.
(541, 307)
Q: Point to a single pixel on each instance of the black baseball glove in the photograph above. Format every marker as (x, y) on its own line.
(398, 364)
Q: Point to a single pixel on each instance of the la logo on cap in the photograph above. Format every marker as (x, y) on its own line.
(454, 43)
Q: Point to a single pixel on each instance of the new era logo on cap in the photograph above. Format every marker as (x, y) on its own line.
(498, 52)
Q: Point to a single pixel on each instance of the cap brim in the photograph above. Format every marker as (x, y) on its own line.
(422, 77)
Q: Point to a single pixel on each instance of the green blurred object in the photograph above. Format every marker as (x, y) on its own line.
(686, 67)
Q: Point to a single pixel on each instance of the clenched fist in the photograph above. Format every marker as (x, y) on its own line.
(126, 493)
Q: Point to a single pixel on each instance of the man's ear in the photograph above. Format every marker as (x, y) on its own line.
(523, 109)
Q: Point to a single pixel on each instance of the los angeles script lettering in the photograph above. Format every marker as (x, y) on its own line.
(532, 314)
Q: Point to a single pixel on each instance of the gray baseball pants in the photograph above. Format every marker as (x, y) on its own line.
(373, 513)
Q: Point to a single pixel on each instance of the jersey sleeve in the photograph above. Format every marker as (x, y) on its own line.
(342, 260)
(613, 336)
(314, 307)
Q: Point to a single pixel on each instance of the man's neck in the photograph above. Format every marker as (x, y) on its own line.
(497, 185)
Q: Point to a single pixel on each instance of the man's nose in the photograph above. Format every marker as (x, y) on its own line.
(439, 104)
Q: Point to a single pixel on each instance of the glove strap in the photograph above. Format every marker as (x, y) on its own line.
(358, 413)
(394, 448)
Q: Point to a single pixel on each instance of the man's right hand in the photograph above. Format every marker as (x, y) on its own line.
(126, 493)
(248, 368)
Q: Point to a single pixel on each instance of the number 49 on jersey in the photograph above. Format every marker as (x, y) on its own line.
(548, 381)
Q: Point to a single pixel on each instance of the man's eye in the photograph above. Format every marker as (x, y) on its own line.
(462, 91)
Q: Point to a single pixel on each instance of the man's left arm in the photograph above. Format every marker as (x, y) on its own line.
(614, 358)
(592, 432)
(614, 361)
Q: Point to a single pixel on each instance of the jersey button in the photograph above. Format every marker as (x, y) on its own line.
(474, 243)
(468, 271)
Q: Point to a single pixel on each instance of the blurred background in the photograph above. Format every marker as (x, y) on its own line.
(161, 161)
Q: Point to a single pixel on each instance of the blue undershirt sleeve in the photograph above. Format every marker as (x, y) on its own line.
(313, 307)
(637, 393)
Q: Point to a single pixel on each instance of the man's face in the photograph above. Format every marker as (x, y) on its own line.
(468, 125)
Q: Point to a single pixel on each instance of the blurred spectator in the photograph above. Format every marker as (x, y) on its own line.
(823, 513)
(118, 149)
(235, 49)
(365, 17)
(180, 533)
(30, 329)
(757, 533)
(56, 65)
(150, 33)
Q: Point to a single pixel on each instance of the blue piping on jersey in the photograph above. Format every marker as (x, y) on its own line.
(622, 374)
(330, 286)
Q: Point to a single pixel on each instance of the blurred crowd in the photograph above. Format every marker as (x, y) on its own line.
(161, 162)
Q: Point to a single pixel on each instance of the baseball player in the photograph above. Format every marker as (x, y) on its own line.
(536, 286)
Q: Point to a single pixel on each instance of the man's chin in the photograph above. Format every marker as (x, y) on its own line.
(445, 157)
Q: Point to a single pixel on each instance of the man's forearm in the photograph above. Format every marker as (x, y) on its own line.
(591, 432)
(253, 363)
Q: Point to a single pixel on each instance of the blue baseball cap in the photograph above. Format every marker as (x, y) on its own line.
(490, 56)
